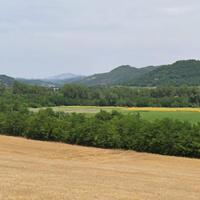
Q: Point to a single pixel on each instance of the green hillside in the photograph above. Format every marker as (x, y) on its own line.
(6, 80)
(118, 76)
(35, 82)
(49, 82)
(185, 72)
(179, 73)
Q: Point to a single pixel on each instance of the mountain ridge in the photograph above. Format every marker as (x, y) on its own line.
(63, 76)
(178, 73)
(53, 81)
(6, 80)
(116, 76)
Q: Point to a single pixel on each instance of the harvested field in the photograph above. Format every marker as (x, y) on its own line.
(37, 170)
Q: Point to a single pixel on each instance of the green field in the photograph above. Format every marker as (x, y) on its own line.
(193, 117)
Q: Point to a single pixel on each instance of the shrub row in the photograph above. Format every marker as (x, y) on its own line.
(105, 130)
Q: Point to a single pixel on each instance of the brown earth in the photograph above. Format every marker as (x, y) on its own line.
(36, 170)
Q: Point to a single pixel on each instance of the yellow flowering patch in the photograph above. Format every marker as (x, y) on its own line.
(163, 109)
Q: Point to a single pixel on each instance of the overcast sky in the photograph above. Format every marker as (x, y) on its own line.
(40, 38)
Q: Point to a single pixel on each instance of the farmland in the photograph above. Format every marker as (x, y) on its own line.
(42, 170)
(125, 129)
(185, 114)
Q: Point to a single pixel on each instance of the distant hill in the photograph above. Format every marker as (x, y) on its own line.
(53, 81)
(178, 73)
(39, 82)
(65, 76)
(118, 76)
(184, 72)
(63, 79)
(6, 80)
(61, 82)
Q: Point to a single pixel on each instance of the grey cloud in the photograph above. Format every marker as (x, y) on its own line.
(42, 38)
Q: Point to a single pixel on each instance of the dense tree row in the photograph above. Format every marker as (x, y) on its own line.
(35, 96)
(106, 130)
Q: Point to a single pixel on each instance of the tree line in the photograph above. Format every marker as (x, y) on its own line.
(168, 96)
(106, 130)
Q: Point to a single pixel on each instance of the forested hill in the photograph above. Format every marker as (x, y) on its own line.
(117, 76)
(179, 73)
(55, 81)
(185, 72)
(6, 80)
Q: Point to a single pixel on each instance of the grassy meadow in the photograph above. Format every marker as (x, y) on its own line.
(148, 113)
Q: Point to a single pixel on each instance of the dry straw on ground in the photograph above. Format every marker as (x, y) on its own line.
(36, 170)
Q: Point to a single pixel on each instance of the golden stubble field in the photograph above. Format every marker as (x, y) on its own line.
(33, 170)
